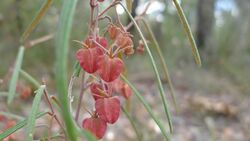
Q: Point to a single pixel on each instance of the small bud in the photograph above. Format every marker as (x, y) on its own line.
(129, 51)
(113, 31)
(140, 49)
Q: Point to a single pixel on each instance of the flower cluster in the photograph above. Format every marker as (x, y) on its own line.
(100, 58)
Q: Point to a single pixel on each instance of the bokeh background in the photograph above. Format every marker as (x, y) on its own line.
(213, 100)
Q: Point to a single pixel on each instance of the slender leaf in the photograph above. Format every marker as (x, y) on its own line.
(14, 78)
(86, 134)
(138, 134)
(162, 60)
(77, 69)
(147, 107)
(18, 126)
(129, 4)
(34, 111)
(36, 20)
(188, 32)
(163, 97)
(32, 80)
(4, 93)
(10, 115)
(62, 44)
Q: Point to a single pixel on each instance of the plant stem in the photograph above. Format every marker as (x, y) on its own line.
(82, 89)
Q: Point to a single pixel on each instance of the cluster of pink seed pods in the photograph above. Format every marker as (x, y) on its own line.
(100, 59)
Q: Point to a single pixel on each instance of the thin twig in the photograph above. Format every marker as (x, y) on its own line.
(82, 89)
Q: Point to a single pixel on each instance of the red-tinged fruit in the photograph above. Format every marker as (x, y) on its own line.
(108, 109)
(96, 126)
(122, 88)
(26, 92)
(113, 31)
(98, 91)
(101, 0)
(2, 118)
(9, 124)
(109, 68)
(124, 41)
(88, 59)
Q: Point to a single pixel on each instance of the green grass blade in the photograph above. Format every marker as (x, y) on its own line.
(148, 108)
(4, 94)
(163, 97)
(129, 4)
(34, 111)
(10, 115)
(32, 80)
(86, 134)
(36, 20)
(188, 32)
(138, 134)
(62, 45)
(14, 78)
(77, 69)
(18, 126)
(162, 60)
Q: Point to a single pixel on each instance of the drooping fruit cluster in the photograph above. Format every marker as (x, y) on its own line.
(100, 59)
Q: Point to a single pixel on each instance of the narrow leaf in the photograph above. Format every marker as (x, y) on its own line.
(86, 134)
(34, 111)
(14, 78)
(18, 126)
(36, 20)
(62, 45)
(163, 97)
(188, 32)
(77, 69)
(10, 115)
(130, 119)
(162, 60)
(4, 94)
(32, 80)
(129, 4)
(148, 108)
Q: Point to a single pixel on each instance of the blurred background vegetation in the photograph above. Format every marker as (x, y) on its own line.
(221, 29)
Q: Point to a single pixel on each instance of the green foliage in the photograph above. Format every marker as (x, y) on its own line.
(32, 117)
(14, 78)
(163, 97)
(148, 108)
(131, 120)
(18, 126)
(62, 45)
(188, 32)
(36, 20)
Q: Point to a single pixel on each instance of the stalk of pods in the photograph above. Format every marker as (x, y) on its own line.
(101, 57)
